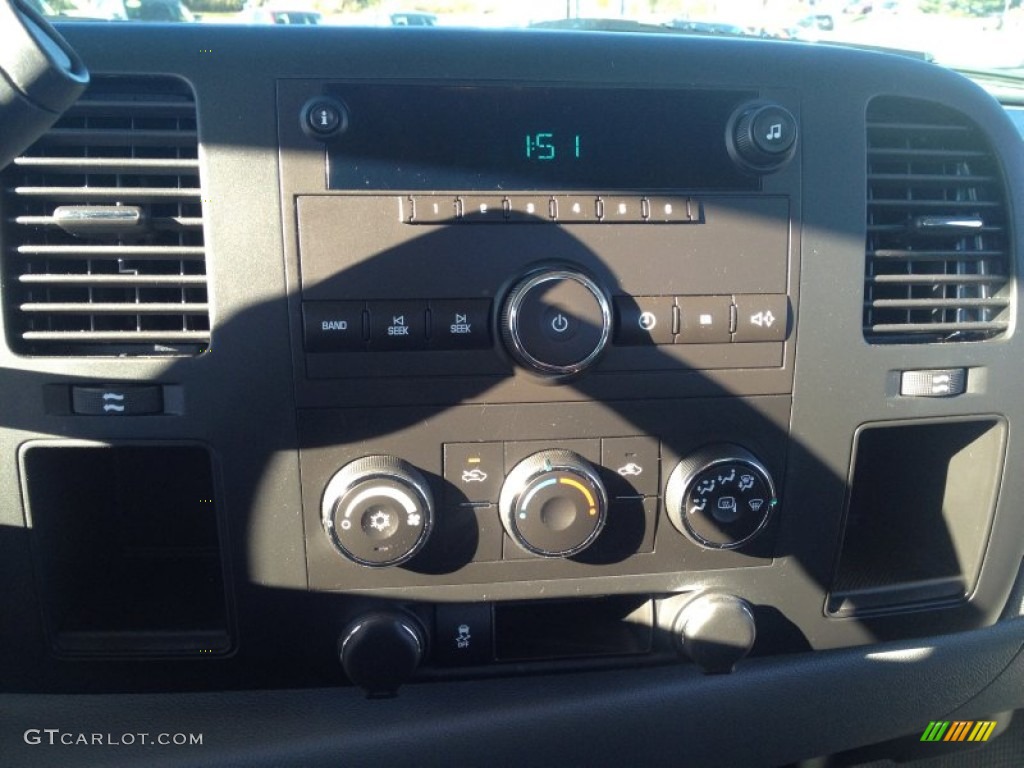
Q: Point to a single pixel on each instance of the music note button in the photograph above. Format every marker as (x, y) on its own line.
(774, 129)
(764, 136)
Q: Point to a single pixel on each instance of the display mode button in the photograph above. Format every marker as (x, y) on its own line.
(332, 326)
(460, 324)
(704, 319)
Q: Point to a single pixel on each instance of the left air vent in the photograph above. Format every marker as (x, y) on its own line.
(103, 228)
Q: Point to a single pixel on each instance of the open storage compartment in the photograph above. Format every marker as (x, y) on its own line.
(126, 543)
(921, 501)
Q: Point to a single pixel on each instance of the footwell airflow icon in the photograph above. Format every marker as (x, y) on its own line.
(958, 730)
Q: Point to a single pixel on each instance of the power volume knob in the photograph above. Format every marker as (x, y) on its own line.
(378, 511)
(762, 137)
(556, 322)
(553, 504)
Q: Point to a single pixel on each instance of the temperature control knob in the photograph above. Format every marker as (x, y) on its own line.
(721, 497)
(553, 504)
(556, 322)
(378, 511)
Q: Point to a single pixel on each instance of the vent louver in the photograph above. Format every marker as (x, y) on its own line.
(937, 239)
(103, 228)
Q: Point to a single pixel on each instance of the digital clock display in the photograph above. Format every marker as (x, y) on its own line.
(503, 138)
(542, 147)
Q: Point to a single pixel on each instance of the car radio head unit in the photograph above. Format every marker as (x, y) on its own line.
(490, 137)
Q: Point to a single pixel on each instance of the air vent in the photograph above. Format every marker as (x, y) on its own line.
(103, 228)
(937, 239)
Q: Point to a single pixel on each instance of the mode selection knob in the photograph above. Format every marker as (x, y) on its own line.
(553, 504)
(762, 136)
(556, 322)
(721, 497)
(378, 511)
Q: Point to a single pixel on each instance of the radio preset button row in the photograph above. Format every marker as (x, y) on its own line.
(566, 209)
(441, 324)
(650, 320)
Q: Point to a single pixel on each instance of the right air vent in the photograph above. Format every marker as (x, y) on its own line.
(937, 239)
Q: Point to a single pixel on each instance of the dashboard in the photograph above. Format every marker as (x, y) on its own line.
(409, 395)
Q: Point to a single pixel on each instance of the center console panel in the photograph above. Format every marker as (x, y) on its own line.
(525, 374)
(514, 367)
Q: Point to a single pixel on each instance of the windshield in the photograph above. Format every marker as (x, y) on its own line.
(964, 34)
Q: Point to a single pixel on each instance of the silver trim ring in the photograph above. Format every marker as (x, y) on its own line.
(512, 306)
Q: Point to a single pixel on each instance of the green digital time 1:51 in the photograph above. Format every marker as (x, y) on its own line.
(543, 147)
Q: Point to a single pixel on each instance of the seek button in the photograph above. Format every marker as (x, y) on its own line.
(398, 324)
(460, 324)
